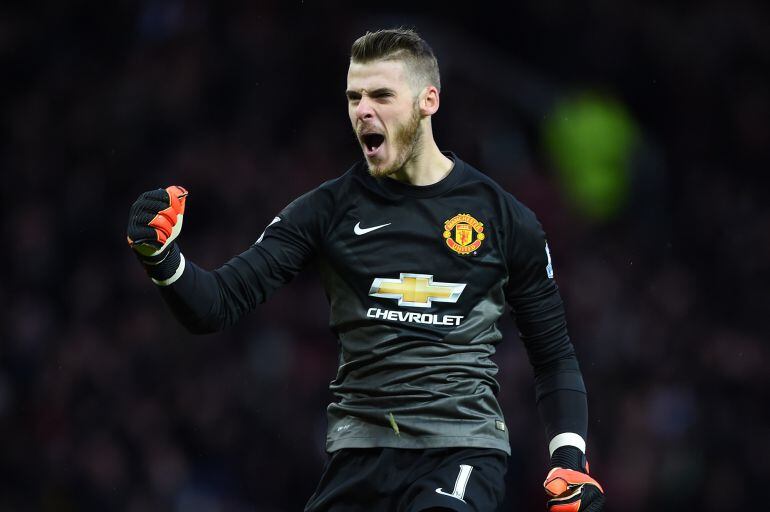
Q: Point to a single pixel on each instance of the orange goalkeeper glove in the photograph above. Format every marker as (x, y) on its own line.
(155, 220)
(572, 490)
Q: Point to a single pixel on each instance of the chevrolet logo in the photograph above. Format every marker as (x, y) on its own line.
(416, 290)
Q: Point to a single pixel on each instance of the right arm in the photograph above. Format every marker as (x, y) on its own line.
(209, 301)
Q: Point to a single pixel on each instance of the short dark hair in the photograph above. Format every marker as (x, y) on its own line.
(399, 44)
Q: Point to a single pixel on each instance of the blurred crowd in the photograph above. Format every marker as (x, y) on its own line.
(107, 404)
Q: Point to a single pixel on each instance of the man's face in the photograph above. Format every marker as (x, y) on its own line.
(384, 113)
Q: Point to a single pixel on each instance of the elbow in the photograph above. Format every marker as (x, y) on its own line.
(557, 363)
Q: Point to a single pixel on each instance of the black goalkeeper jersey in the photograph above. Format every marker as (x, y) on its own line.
(417, 278)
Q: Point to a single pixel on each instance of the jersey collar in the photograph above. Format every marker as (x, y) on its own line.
(436, 189)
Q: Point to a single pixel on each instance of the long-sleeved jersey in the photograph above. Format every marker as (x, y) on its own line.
(417, 278)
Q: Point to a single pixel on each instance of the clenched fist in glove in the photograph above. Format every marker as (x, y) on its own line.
(570, 488)
(154, 221)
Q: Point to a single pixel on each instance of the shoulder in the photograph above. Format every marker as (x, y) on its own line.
(342, 181)
(519, 213)
(327, 193)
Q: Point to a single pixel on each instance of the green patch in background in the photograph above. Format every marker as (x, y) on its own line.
(590, 139)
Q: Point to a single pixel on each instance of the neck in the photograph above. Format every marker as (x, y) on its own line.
(427, 165)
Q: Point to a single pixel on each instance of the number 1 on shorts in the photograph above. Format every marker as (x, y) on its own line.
(460, 484)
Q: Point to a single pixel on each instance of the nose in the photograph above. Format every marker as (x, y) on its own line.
(364, 110)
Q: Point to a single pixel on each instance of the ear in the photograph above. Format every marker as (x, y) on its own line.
(429, 101)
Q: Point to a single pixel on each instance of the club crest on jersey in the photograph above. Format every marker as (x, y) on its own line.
(463, 233)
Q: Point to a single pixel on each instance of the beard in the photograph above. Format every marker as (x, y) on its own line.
(406, 143)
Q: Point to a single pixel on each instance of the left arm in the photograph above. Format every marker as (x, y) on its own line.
(537, 306)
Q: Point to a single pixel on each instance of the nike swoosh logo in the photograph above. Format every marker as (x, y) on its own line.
(439, 491)
(357, 229)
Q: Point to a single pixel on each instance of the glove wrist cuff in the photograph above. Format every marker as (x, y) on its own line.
(164, 266)
(569, 457)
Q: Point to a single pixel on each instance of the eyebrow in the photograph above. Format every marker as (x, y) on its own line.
(374, 93)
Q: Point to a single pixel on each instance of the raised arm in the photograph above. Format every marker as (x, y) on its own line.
(208, 301)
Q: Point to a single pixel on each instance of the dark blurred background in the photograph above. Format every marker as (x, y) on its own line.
(638, 131)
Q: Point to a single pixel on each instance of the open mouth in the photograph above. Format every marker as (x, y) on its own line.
(372, 142)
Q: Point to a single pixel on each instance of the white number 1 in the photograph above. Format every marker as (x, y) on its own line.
(460, 484)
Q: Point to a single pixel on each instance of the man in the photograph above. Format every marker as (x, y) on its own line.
(418, 253)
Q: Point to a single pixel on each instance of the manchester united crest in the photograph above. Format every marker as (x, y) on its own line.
(463, 233)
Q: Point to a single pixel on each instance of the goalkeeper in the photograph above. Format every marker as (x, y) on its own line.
(419, 254)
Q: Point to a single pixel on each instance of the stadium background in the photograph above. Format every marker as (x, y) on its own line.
(638, 131)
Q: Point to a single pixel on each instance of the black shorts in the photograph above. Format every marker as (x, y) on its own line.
(400, 480)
